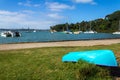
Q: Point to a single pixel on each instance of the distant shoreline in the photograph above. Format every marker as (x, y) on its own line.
(58, 44)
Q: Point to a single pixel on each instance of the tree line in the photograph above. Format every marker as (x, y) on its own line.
(108, 24)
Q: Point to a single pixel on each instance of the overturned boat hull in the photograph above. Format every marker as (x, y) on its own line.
(98, 57)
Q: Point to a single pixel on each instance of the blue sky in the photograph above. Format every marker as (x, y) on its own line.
(41, 14)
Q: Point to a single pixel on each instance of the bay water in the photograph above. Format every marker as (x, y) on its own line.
(47, 36)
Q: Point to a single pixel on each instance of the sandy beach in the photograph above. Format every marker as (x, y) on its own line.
(58, 44)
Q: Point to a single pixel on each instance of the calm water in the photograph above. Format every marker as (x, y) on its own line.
(46, 36)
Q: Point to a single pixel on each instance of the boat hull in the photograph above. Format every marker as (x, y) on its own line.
(98, 57)
(116, 33)
(10, 34)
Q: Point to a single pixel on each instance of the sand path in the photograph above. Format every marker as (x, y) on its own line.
(58, 44)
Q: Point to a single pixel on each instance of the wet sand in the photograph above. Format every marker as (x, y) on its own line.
(58, 44)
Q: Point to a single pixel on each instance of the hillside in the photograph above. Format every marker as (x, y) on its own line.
(108, 24)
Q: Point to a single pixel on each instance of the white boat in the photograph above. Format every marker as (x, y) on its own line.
(10, 34)
(118, 32)
(52, 31)
(34, 31)
(67, 32)
(7, 34)
(77, 32)
(90, 31)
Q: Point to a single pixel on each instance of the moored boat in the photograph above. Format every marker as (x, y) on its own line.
(118, 32)
(34, 31)
(90, 31)
(77, 32)
(10, 34)
(67, 32)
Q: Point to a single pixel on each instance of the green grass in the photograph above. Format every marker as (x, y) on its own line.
(46, 64)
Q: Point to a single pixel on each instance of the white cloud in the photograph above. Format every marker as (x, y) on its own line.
(22, 19)
(11, 16)
(28, 11)
(36, 5)
(55, 16)
(55, 6)
(28, 3)
(2, 12)
(85, 1)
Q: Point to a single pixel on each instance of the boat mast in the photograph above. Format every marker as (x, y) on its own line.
(119, 26)
(79, 27)
(90, 25)
(67, 27)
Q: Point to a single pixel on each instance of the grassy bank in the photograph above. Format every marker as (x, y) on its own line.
(46, 64)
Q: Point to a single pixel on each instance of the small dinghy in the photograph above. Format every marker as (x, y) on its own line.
(98, 57)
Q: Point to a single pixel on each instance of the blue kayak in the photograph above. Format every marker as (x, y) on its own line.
(98, 57)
